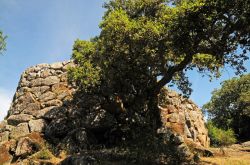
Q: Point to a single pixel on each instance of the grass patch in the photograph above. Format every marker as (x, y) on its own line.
(233, 156)
(244, 160)
(43, 154)
(46, 156)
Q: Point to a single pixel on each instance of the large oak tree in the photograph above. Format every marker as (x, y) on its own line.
(145, 44)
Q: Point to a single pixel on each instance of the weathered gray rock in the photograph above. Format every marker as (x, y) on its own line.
(66, 95)
(22, 129)
(51, 103)
(31, 108)
(55, 113)
(78, 139)
(246, 144)
(194, 134)
(187, 132)
(58, 128)
(26, 146)
(2, 125)
(184, 152)
(26, 98)
(38, 91)
(5, 156)
(61, 90)
(202, 138)
(36, 82)
(37, 125)
(184, 117)
(67, 65)
(45, 73)
(57, 65)
(9, 127)
(24, 83)
(21, 91)
(17, 119)
(189, 106)
(47, 96)
(4, 136)
(174, 118)
(64, 77)
(51, 80)
(31, 76)
(99, 120)
(43, 112)
(39, 67)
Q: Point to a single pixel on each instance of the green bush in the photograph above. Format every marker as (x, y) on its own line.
(220, 137)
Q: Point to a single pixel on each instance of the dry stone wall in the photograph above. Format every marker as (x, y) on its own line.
(44, 87)
(183, 117)
(41, 88)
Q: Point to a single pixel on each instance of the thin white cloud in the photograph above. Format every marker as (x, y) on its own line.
(5, 101)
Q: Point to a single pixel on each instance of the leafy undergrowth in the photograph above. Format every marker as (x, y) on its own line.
(233, 155)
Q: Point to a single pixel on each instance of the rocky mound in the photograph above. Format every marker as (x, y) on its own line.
(47, 113)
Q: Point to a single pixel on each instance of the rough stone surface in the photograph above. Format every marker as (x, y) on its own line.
(57, 65)
(5, 156)
(41, 105)
(4, 136)
(9, 127)
(3, 125)
(22, 129)
(37, 125)
(17, 119)
(51, 80)
(246, 144)
(183, 117)
(25, 147)
(47, 96)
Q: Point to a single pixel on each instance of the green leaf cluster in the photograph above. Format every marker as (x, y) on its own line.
(144, 45)
(229, 107)
(87, 74)
(220, 137)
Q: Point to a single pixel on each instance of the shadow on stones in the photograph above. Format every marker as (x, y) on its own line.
(91, 133)
(83, 126)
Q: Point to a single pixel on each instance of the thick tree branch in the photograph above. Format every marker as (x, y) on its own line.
(170, 73)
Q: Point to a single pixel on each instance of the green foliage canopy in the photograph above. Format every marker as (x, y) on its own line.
(145, 44)
(229, 107)
(142, 40)
(220, 137)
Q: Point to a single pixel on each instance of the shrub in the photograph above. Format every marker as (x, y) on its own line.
(220, 137)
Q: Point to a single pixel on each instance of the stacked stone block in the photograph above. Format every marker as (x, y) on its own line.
(43, 90)
(183, 117)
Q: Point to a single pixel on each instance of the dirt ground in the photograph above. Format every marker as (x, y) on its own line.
(233, 155)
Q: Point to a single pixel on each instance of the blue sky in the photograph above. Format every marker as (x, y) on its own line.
(43, 31)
